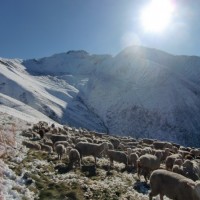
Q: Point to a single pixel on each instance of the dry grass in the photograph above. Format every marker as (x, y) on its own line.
(7, 138)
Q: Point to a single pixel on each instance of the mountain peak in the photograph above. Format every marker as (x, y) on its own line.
(141, 92)
(78, 53)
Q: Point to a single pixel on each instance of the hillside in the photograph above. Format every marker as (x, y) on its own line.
(36, 174)
(140, 92)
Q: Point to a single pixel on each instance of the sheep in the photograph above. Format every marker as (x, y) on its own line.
(147, 163)
(129, 151)
(174, 149)
(137, 150)
(54, 138)
(178, 169)
(90, 149)
(74, 156)
(147, 141)
(184, 153)
(176, 145)
(46, 148)
(146, 150)
(117, 156)
(82, 139)
(42, 124)
(110, 145)
(174, 186)
(133, 159)
(47, 142)
(162, 145)
(188, 157)
(27, 134)
(178, 162)
(31, 145)
(127, 140)
(158, 145)
(122, 147)
(65, 143)
(184, 148)
(60, 150)
(35, 127)
(195, 152)
(191, 169)
(170, 160)
(132, 144)
(162, 153)
(36, 136)
(41, 132)
(115, 142)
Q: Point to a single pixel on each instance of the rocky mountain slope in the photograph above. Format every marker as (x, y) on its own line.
(140, 92)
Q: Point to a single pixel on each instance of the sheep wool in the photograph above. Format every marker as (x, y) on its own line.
(174, 186)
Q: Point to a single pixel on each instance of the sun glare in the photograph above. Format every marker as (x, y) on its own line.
(156, 16)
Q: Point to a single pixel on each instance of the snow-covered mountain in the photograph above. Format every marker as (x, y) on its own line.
(140, 92)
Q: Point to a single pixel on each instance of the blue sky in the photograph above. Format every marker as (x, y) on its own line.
(38, 28)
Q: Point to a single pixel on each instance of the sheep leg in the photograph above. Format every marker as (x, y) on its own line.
(95, 160)
(148, 173)
(145, 177)
(81, 159)
(138, 172)
(150, 196)
(79, 162)
(161, 196)
(111, 162)
(135, 165)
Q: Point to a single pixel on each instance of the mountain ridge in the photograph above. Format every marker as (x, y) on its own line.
(141, 92)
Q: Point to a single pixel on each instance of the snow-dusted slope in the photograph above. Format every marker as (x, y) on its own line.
(141, 92)
(51, 95)
(145, 98)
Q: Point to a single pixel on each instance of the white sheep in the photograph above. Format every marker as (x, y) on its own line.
(115, 142)
(32, 145)
(133, 159)
(147, 163)
(162, 145)
(191, 169)
(27, 134)
(195, 152)
(47, 142)
(118, 156)
(173, 185)
(147, 141)
(60, 150)
(74, 156)
(46, 148)
(178, 169)
(54, 138)
(178, 162)
(91, 149)
(64, 143)
(170, 160)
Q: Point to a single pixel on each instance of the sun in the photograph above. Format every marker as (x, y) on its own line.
(156, 16)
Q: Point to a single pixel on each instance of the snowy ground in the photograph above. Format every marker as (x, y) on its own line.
(11, 185)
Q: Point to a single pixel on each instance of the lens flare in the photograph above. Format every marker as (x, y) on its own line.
(156, 16)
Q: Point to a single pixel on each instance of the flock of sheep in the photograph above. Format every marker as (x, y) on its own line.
(171, 169)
